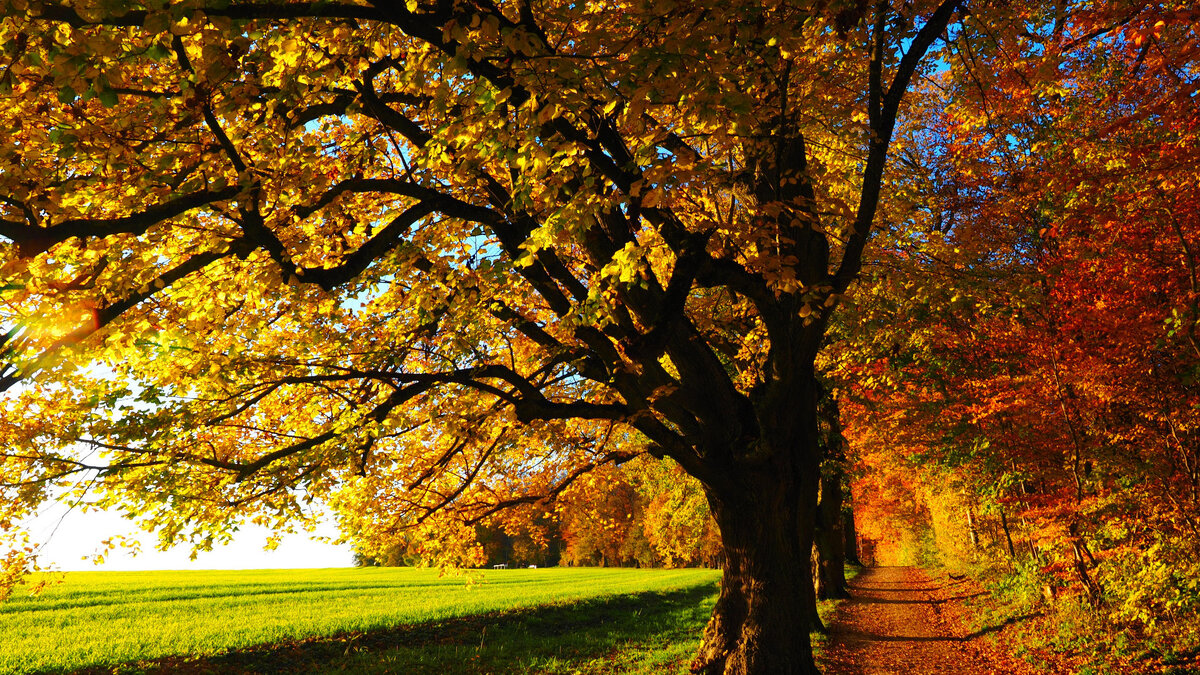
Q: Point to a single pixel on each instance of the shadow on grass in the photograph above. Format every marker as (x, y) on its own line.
(651, 632)
(1000, 626)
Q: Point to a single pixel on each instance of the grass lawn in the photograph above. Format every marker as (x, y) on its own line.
(373, 620)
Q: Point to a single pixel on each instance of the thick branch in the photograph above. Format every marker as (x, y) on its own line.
(32, 239)
(883, 124)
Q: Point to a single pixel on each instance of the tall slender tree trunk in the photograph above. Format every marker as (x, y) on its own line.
(850, 535)
(972, 528)
(1012, 550)
(830, 543)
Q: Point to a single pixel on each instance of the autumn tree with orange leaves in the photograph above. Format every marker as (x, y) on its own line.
(1031, 368)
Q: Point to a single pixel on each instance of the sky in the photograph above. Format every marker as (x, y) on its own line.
(68, 537)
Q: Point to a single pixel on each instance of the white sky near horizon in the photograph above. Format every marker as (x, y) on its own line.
(69, 538)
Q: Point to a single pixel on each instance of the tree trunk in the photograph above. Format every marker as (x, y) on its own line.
(1012, 550)
(1083, 556)
(820, 592)
(972, 529)
(1094, 591)
(830, 543)
(763, 616)
(850, 536)
(831, 573)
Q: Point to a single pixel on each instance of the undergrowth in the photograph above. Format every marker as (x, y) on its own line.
(1128, 629)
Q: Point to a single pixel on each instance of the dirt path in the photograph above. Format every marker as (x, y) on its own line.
(908, 620)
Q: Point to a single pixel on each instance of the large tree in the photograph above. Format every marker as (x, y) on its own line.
(427, 260)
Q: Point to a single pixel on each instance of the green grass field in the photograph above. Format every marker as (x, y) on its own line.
(372, 620)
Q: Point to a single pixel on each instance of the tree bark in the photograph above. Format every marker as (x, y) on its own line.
(850, 536)
(819, 590)
(767, 516)
(972, 529)
(1083, 560)
(1095, 593)
(830, 542)
(1012, 550)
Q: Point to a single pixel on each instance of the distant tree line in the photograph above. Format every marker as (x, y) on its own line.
(638, 514)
